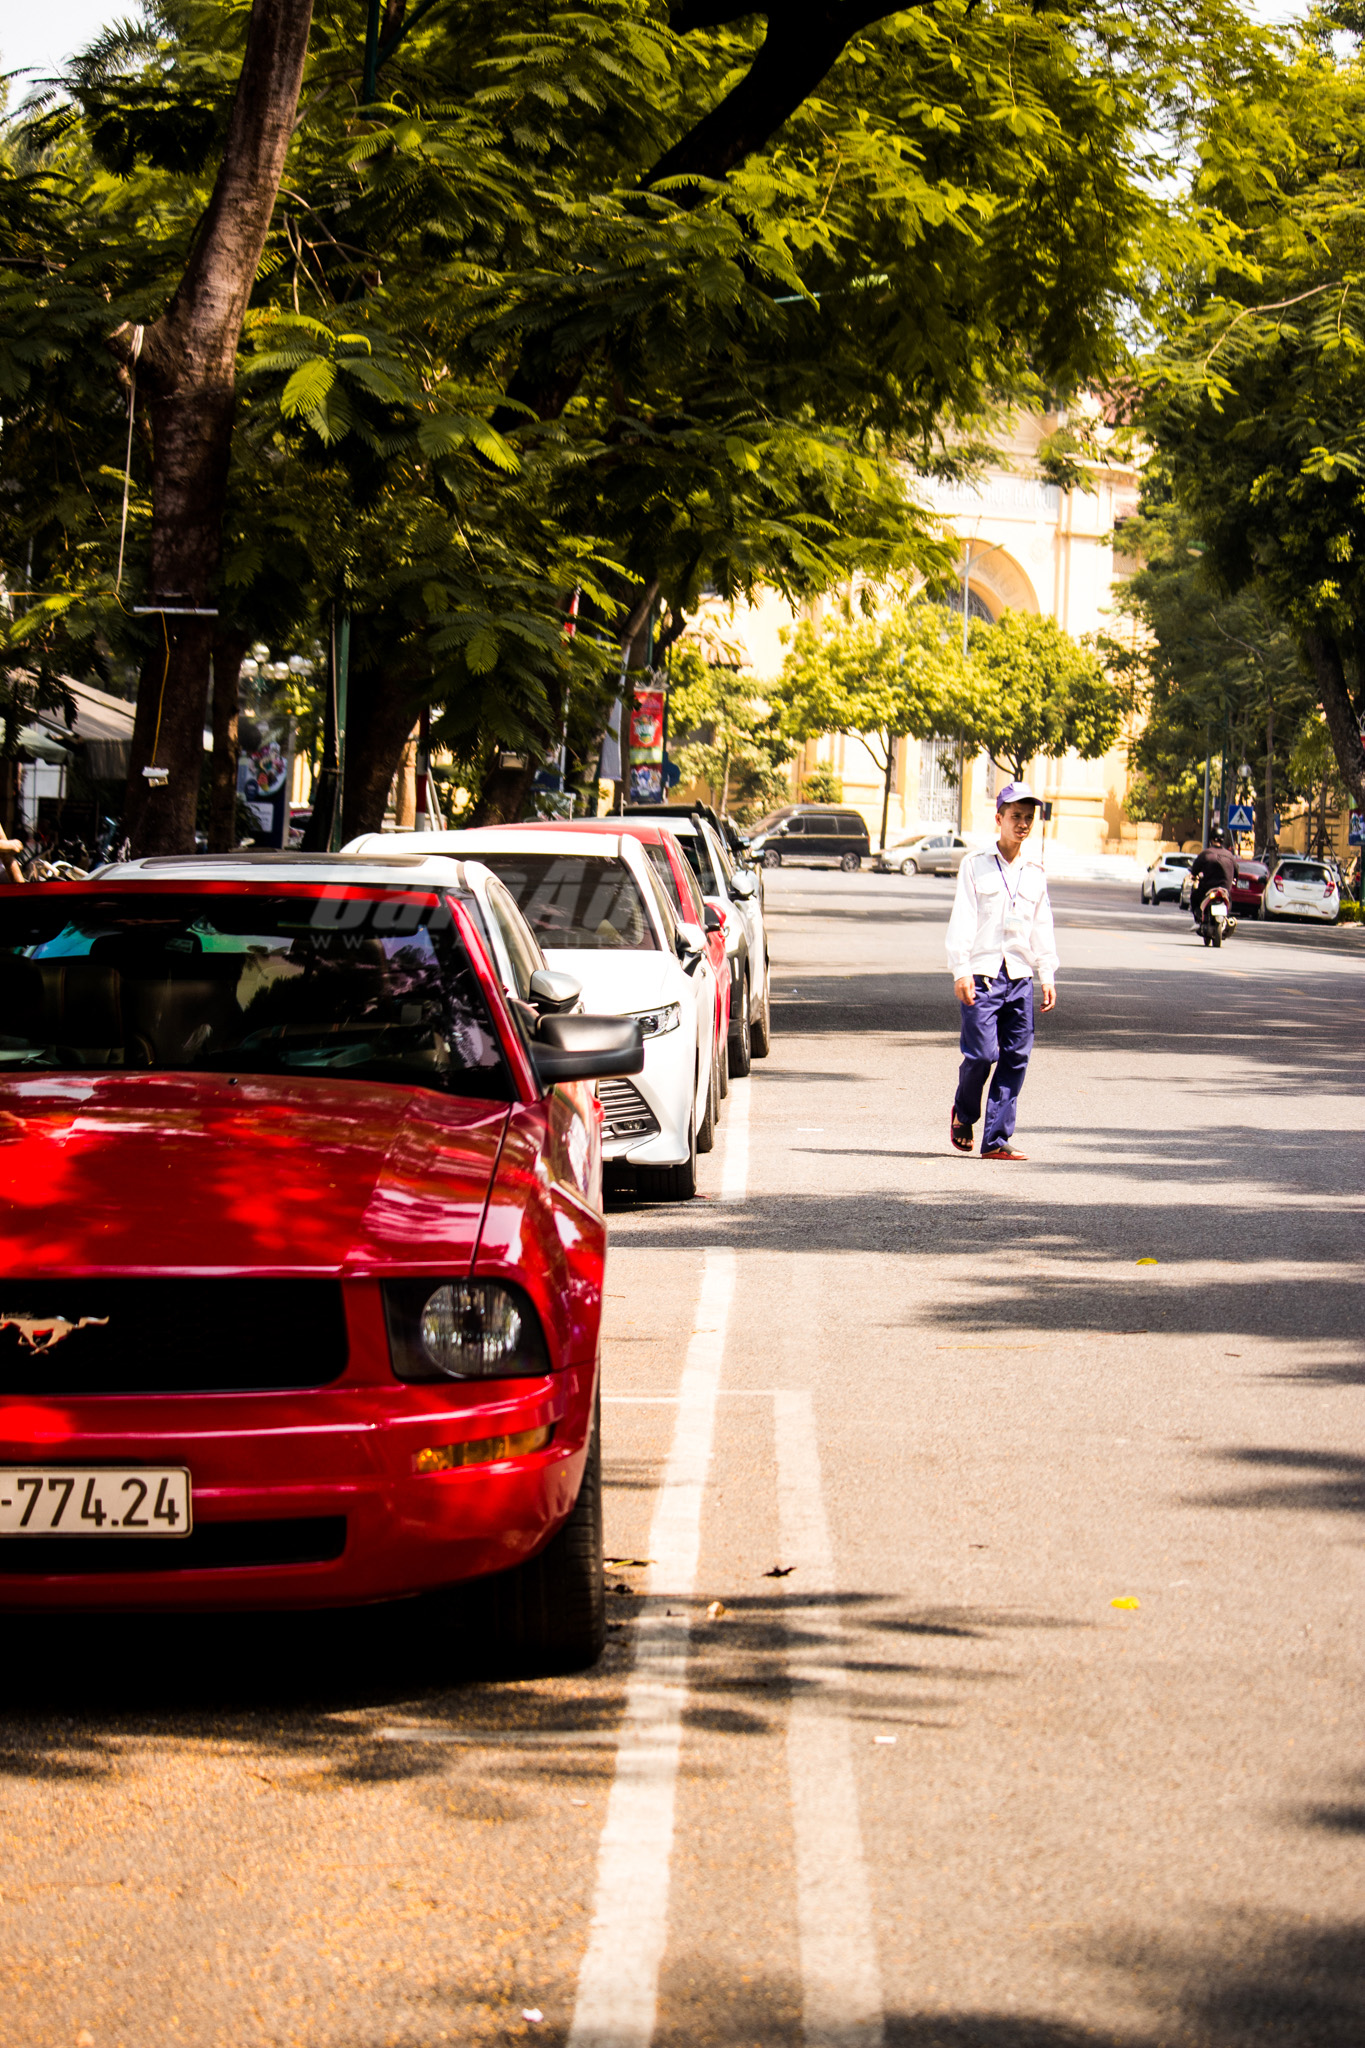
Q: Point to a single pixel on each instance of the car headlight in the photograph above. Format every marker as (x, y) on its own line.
(462, 1330)
(654, 1023)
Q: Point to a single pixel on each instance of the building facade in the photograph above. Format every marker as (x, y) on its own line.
(1026, 545)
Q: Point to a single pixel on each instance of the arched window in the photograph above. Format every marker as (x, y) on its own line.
(938, 763)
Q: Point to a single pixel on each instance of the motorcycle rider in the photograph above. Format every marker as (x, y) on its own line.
(1214, 868)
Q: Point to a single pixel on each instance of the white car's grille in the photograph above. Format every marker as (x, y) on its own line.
(625, 1112)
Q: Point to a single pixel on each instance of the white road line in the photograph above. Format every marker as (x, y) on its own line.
(618, 1984)
(840, 1975)
(734, 1174)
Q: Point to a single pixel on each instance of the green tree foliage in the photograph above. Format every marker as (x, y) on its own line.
(1209, 675)
(1033, 691)
(1256, 400)
(636, 306)
(822, 785)
(723, 733)
(885, 678)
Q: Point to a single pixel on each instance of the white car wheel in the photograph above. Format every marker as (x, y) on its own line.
(909, 867)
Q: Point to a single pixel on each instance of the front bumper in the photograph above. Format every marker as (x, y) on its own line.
(667, 1089)
(342, 1454)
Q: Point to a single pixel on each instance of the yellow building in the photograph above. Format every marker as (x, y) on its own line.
(1026, 545)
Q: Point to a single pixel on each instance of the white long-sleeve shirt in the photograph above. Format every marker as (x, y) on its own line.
(1001, 916)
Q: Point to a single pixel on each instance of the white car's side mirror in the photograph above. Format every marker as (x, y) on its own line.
(743, 886)
(691, 939)
(552, 992)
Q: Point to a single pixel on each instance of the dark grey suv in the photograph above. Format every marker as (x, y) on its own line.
(808, 835)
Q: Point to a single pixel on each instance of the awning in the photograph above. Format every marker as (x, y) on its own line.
(36, 743)
(102, 734)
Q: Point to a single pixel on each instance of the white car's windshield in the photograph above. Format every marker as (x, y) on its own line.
(576, 902)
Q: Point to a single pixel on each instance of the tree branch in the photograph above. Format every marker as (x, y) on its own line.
(804, 39)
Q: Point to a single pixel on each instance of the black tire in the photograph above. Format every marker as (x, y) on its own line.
(772, 858)
(549, 1615)
(761, 1026)
(1217, 933)
(723, 1069)
(739, 1051)
(672, 1183)
(909, 867)
(849, 863)
(706, 1135)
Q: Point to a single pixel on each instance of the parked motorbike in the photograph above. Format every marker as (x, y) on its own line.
(1216, 921)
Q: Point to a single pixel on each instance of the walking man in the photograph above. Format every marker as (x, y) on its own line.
(1000, 932)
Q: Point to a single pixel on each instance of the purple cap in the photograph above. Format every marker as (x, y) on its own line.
(1015, 793)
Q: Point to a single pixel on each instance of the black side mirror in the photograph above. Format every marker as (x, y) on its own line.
(588, 1048)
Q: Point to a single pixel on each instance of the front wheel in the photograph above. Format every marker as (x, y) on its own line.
(706, 1136)
(673, 1183)
(740, 1051)
(549, 1615)
(909, 867)
(772, 858)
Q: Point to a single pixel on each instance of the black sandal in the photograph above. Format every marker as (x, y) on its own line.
(959, 1133)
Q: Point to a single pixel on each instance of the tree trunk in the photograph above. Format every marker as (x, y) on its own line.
(229, 652)
(1342, 725)
(381, 712)
(886, 787)
(503, 798)
(405, 804)
(186, 369)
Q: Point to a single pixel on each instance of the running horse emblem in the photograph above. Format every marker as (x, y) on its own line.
(41, 1333)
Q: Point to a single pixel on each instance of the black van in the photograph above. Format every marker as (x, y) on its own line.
(807, 834)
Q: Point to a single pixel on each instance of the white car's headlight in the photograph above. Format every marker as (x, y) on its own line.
(654, 1023)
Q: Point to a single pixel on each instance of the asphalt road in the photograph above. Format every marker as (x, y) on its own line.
(1048, 1732)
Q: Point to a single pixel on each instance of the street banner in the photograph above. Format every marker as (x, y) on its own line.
(265, 762)
(1356, 835)
(647, 747)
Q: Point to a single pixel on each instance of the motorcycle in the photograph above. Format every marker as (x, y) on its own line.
(1216, 921)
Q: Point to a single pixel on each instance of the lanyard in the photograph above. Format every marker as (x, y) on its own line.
(1011, 893)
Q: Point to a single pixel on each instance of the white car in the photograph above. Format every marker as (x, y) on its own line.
(1165, 877)
(738, 895)
(600, 915)
(1302, 888)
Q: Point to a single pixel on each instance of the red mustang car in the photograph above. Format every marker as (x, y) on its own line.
(301, 1268)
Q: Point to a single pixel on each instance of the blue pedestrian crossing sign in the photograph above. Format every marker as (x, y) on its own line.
(1241, 818)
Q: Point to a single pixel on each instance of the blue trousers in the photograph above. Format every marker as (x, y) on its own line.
(997, 1031)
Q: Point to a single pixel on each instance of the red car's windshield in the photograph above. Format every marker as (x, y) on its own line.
(357, 988)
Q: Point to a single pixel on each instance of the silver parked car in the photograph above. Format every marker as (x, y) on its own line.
(928, 853)
(1163, 879)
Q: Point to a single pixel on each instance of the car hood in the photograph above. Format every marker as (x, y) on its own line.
(190, 1173)
(614, 981)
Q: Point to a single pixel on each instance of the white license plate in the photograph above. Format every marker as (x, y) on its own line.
(105, 1500)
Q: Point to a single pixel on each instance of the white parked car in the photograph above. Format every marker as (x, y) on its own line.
(737, 893)
(1164, 878)
(1302, 888)
(600, 914)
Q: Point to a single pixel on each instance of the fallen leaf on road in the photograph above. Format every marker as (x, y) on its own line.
(620, 1564)
(716, 1610)
(780, 1571)
(1125, 1600)
(1149, 1262)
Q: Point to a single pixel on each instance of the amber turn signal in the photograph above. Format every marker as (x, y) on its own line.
(484, 1450)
